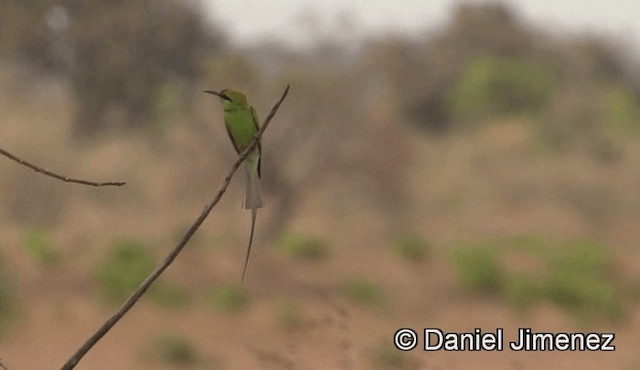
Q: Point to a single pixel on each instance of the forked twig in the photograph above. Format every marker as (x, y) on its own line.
(55, 175)
(139, 292)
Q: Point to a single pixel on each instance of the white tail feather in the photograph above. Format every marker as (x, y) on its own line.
(253, 194)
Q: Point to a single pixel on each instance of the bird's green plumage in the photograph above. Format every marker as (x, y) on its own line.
(242, 124)
(239, 121)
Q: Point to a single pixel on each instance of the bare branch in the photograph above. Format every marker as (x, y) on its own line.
(55, 175)
(2, 365)
(131, 301)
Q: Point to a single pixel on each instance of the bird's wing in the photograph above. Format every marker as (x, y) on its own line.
(257, 124)
(233, 141)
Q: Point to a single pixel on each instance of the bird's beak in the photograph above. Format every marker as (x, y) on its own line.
(214, 93)
(218, 94)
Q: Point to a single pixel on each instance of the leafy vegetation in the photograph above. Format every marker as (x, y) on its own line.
(8, 304)
(363, 292)
(412, 248)
(38, 244)
(478, 268)
(492, 85)
(577, 275)
(230, 298)
(126, 266)
(176, 351)
(302, 246)
(386, 356)
(582, 279)
(99, 46)
(620, 108)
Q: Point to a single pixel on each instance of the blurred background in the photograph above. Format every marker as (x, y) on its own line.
(459, 165)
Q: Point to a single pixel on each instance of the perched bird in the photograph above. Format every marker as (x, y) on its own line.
(242, 124)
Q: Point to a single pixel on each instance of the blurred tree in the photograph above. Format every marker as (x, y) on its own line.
(24, 34)
(475, 31)
(485, 28)
(597, 101)
(491, 86)
(338, 138)
(119, 56)
(487, 62)
(595, 58)
(125, 52)
(621, 107)
(364, 166)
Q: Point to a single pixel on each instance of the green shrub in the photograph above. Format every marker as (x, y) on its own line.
(478, 268)
(576, 275)
(176, 351)
(522, 290)
(362, 292)
(127, 265)
(620, 110)
(301, 246)
(583, 256)
(386, 356)
(37, 243)
(8, 305)
(581, 281)
(491, 86)
(230, 298)
(411, 247)
(589, 117)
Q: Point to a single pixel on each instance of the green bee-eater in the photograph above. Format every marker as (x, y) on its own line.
(242, 124)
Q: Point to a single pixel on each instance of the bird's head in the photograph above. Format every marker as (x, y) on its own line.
(231, 98)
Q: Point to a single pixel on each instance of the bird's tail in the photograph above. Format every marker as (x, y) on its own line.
(253, 194)
(252, 201)
(254, 212)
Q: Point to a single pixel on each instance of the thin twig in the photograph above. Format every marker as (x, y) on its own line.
(131, 301)
(55, 175)
(2, 365)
